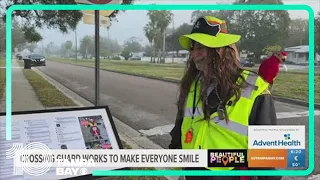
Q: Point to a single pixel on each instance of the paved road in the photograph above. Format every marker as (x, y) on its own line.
(148, 105)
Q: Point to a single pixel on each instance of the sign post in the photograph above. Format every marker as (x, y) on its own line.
(97, 39)
(76, 40)
(97, 59)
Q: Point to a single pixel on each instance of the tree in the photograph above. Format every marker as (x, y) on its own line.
(68, 46)
(53, 19)
(2, 37)
(148, 50)
(115, 47)
(63, 50)
(84, 45)
(173, 40)
(109, 47)
(49, 48)
(258, 29)
(126, 53)
(269, 50)
(131, 45)
(298, 32)
(31, 47)
(18, 40)
(317, 33)
(160, 20)
(151, 32)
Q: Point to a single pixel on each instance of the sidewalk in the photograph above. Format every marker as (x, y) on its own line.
(23, 95)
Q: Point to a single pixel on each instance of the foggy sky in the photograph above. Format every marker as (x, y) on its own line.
(131, 23)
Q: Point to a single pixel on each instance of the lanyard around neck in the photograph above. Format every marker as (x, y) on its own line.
(194, 98)
(210, 89)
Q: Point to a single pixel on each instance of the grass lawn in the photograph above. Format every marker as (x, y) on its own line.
(296, 86)
(2, 76)
(292, 84)
(48, 95)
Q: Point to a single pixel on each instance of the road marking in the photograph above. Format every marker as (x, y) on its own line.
(160, 130)
(82, 88)
(163, 130)
(314, 177)
(284, 115)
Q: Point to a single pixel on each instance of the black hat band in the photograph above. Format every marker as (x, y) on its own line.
(203, 26)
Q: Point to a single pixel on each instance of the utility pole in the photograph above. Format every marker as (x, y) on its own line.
(97, 58)
(164, 46)
(75, 34)
(108, 32)
(173, 52)
(42, 47)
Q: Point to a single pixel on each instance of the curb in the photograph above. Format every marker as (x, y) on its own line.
(277, 98)
(294, 101)
(127, 134)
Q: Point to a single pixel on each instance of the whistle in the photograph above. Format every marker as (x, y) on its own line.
(221, 113)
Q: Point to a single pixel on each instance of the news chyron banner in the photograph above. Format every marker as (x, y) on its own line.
(276, 146)
(40, 161)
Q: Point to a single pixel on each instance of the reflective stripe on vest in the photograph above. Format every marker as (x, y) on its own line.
(232, 126)
(246, 92)
(215, 133)
(251, 80)
(188, 112)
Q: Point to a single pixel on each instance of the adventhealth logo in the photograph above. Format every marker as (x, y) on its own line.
(286, 136)
(285, 142)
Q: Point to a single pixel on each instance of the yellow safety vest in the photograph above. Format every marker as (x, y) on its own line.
(217, 134)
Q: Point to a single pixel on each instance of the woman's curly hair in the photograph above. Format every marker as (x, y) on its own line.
(224, 70)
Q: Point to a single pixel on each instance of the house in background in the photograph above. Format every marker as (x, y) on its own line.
(300, 55)
(180, 53)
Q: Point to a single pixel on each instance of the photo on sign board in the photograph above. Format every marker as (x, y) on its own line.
(94, 132)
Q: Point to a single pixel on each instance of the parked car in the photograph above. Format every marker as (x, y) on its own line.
(36, 59)
(135, 58)
(290, 62)
(247, 63)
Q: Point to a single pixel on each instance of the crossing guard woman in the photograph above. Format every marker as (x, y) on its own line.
(217, 98)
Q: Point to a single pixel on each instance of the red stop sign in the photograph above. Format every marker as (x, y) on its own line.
(100, 1)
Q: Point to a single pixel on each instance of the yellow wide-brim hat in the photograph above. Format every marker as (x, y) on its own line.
(210, 32)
